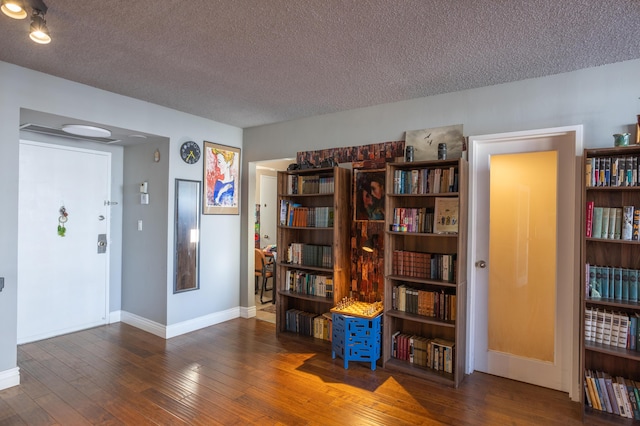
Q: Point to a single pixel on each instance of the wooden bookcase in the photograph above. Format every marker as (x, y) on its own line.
(336, 236)
(451, 328)
(612, 253)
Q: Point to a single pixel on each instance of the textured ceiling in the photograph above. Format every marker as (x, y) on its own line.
(253, 62)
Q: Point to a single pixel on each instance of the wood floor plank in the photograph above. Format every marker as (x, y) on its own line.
(239, 373)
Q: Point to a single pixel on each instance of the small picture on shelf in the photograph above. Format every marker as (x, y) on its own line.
(446, 216)
(369, 195)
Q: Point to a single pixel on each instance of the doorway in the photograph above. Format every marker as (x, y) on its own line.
(62, 266)
(524, 254)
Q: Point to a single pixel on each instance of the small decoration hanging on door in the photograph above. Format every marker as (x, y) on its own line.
(62, 219)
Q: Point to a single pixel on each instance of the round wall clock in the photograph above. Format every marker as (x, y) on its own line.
(190, 152)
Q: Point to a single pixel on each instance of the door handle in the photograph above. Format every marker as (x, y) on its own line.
(481, 264)
(265, 236)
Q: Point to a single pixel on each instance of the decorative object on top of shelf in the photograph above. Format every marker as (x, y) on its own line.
(621, 139)
(328, 162)
(383, 151)
(221, 179)
(368, 195)
(446, 216)
(370, 244)
(426, 142)
(442, 151)
(408, 153)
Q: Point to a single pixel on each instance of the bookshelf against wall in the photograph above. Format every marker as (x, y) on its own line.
(425, 269)
(314, 261)
(609, 294)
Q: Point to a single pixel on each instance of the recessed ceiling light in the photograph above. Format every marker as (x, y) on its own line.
(88, 131)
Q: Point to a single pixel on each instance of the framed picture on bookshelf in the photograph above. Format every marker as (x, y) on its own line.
(221, 179)
(368, 195)
(445, 220)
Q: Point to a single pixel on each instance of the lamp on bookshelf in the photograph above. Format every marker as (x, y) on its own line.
(370, 244)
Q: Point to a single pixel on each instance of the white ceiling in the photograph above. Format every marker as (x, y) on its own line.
(253, 62)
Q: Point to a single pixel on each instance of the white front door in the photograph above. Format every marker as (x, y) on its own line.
(268, 210)
(62, 280)
(524, 255)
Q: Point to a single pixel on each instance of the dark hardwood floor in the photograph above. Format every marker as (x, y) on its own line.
(239, 373)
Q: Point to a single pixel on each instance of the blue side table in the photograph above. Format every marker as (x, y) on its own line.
(356, 339)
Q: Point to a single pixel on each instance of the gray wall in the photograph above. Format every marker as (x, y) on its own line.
(23, 88)
(144, 252)
(604, 99)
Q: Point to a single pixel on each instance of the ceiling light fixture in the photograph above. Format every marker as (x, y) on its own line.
(14, 9)
(17, 9)
(39, 31)
(87, 131)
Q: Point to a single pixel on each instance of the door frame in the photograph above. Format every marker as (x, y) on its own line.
(109, 157)
(263, 178)
(572, 346)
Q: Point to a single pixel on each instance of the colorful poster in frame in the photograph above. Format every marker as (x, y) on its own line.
(221, 191)
(368, 195)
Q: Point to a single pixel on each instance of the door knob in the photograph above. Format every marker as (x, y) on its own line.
(265, 236)
(481, 264)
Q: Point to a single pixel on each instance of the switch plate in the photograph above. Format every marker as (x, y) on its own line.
(140, 225)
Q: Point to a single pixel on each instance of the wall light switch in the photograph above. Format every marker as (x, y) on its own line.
(140, 225)
(143, 187)
(144, 198)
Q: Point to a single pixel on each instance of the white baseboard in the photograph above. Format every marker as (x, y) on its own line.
(201, 322)
(249, 312)
(167, 332)
(114, 317)
(9, 378)
(143, 324)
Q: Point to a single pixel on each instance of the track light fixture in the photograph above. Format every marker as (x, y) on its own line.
(17, 9)
(39, 31)
(14, 9)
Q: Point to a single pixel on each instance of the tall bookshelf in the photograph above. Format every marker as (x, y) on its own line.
(437, 316)
(614, 255)
(313, 239)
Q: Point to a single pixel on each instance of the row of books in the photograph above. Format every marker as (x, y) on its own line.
(612, 223)
(425, 181)
(293, 214)
(608, 282)
(424, 265)
(310, 184)
(435, 304)
(412, 220)
(308, 323)
(309, 255)
(617, 395)
(612, 171)
(303, 282)
(437, 354)
(615, 329)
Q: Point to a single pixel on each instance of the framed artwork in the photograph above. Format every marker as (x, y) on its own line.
(187, 236)
(425, 142)
(221, 179)
(368, 195)
(445, 217)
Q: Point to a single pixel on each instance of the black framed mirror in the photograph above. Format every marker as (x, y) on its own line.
(187, 236)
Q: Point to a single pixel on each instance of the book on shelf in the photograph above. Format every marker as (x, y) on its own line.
(606, 211)
(589, 218)
(597, 222)
(635, 235)
(627, 223)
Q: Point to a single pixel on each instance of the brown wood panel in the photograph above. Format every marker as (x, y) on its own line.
(239, 372)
